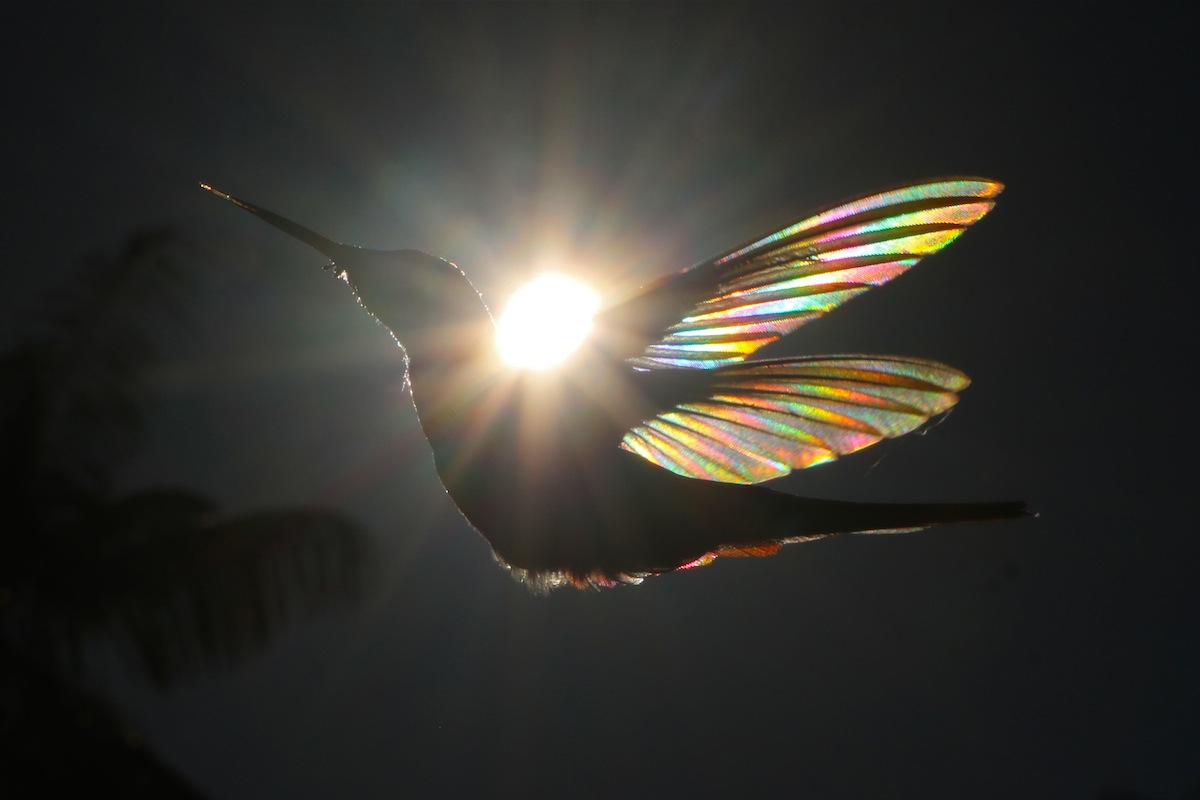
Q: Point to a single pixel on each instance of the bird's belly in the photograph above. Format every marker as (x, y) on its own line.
(609, 513)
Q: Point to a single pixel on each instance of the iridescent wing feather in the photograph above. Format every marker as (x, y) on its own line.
(758, 293)
(764, 419)
(725, 420)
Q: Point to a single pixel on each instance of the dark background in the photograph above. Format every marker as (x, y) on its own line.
(1047, 658)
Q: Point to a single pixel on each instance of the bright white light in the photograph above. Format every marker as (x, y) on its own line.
(545, 320)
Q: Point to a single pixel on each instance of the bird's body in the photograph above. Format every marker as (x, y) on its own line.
(639, 454)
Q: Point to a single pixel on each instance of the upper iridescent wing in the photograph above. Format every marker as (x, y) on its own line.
(753, 295)
(761, 420)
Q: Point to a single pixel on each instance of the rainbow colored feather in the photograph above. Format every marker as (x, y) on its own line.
(771, 287)
(765, 419)
(761, 420)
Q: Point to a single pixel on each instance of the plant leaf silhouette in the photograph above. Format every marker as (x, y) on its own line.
(178, 585)
(80, 376)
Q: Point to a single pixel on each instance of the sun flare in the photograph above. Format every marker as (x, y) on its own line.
(545, 320)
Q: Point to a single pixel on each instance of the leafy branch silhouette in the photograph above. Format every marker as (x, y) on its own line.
(174, 584)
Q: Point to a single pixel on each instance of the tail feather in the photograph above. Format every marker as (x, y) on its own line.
(823, 518)
(830, 517)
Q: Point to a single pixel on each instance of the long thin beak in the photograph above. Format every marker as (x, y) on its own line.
(334, 250)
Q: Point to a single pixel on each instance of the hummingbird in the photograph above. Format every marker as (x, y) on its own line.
(645, 451)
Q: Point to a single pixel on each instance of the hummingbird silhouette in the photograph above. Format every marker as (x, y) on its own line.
(644, 451)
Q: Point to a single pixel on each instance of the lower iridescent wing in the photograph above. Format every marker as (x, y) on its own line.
(734, 304)
(761, 420)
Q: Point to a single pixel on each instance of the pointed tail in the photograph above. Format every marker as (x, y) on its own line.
(817, 518)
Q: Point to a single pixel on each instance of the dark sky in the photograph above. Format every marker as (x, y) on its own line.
(1046, 658)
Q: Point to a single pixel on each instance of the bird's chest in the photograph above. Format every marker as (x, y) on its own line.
(524, 465)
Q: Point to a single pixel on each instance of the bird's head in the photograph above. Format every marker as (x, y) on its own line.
(426, 302)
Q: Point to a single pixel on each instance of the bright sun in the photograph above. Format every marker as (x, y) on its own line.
(545, 320)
